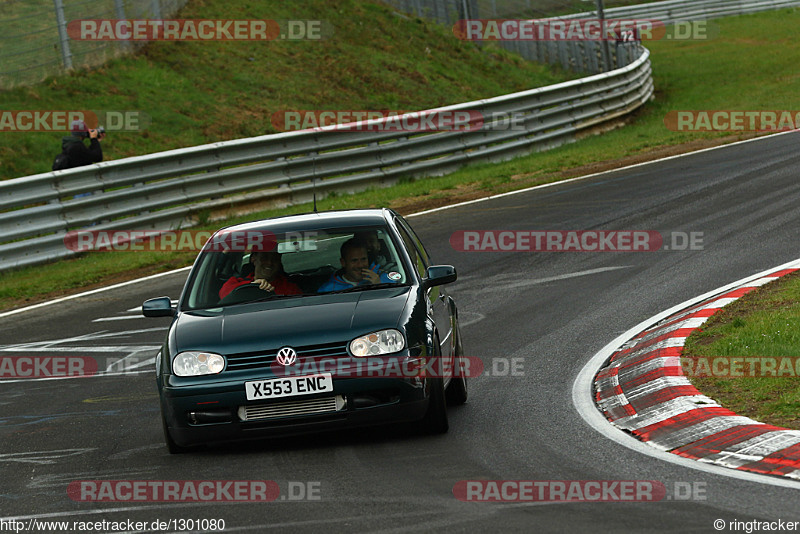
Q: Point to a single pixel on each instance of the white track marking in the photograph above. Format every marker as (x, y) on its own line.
(535, 281)
(41, 457)
(92, 292)
(596, 174)
(85, 348)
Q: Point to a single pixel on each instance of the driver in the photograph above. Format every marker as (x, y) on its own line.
(267, 273)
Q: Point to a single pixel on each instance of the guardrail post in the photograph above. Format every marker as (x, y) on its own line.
(66, 54)
(474, 9)
(590, 49)
(156, 8)
(464, 10)
(119, 8)
(606, 54)
(418, 9)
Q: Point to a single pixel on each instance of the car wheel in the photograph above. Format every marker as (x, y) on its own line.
(435, 420)
(172, 447)
(457, 388)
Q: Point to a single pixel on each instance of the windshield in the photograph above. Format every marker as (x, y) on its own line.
(293, 265)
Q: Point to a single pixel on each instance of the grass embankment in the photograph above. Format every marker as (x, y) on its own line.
(204, 92)
(379, 61)
(763, 324)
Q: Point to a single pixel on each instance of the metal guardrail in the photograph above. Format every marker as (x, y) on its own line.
(168, 190)
(163, 191)
(672, 11)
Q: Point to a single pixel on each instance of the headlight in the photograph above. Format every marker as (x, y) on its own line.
(197, 363)
(378, 343)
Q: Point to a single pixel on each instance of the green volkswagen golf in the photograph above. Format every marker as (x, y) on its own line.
(308, 323)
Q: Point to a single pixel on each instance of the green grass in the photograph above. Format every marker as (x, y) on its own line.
(204, 92)
(197, 94)
(765, 322)
(29, 38)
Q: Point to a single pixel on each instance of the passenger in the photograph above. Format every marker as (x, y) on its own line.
(355, 269)
(268, 274)
(377, 260)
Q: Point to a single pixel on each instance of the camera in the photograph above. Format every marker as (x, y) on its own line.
(85, 134)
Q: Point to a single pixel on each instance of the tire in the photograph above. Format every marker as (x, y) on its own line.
(456, 393)
(172, 447)
(435, 419)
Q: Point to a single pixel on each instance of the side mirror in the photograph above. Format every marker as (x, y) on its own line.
(157, 307)
(437, 275)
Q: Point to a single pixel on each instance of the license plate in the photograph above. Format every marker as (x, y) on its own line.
(293, 386)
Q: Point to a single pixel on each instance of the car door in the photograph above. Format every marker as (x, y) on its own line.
(438, 302)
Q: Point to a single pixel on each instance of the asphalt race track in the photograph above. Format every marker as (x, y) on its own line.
(552, 310)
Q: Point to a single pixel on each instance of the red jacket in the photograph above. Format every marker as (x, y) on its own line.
(281, 284)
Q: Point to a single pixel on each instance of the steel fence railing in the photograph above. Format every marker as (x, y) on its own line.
(584, 56)
(174, 189)
(166, 190)
(35, 44)
(672, 11)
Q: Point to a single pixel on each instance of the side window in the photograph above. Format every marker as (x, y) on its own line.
(420, 247)
(419, 259)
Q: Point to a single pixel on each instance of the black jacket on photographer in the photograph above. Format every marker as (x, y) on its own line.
(78, 153)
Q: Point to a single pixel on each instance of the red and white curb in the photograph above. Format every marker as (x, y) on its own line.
(642, 390)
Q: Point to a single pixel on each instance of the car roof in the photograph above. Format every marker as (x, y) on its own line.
(312, 221)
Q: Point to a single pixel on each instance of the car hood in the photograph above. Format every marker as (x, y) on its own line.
(295, 321)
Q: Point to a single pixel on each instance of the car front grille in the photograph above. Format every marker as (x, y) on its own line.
(294, 408)
(256, 360)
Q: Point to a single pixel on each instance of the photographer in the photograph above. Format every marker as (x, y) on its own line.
(74, 152)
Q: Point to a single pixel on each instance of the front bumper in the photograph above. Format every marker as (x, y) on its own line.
(204, 413)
